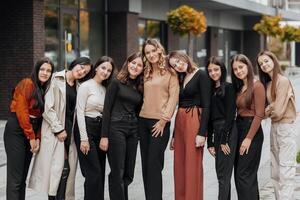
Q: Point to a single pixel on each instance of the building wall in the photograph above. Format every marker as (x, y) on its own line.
(21, 44)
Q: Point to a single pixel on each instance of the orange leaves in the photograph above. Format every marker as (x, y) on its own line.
(185, 20)
(270, 26)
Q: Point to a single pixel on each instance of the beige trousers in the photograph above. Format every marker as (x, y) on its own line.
(283, 159)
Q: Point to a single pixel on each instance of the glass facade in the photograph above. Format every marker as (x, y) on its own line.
(74, 28)
(152, 29)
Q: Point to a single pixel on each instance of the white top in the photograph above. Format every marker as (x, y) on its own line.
(90, 101)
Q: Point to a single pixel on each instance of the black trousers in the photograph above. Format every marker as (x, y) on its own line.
(224, 163)
(246, 166)
(152, 156)
(92, 165)
(18, 153)
(123, 140)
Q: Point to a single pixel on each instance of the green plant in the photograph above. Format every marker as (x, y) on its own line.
(298, 157)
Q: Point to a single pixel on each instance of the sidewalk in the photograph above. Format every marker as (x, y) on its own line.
(136, 191)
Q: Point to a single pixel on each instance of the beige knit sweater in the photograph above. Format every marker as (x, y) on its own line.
(282, 109)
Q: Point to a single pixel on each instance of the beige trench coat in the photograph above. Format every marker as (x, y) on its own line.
(48, 163)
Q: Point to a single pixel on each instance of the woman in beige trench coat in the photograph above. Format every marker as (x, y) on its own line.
(49, 162)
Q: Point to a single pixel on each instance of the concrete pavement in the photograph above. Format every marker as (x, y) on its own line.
(210, 181)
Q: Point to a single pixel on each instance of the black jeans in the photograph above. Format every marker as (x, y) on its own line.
(224, 163)
(152, 156)
(92, 165)
(123, 140)
(246, 166)
(18, 153)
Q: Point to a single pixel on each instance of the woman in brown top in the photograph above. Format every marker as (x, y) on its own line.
(250, 104)
(282, 111)
(161, 90)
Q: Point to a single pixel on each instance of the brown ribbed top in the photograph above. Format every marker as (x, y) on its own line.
(257, 109)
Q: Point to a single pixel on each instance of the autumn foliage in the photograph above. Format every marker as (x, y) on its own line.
(185, 20)
(270, 26)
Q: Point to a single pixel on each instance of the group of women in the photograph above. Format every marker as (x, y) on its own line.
(85, 114)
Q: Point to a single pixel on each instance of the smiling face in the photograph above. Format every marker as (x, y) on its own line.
(135, 67)
(152, 53)
(104, 70)
(45, 72)
(178, 64)
(80, 71)
(240, 70)
(214, 72)
(265, 63)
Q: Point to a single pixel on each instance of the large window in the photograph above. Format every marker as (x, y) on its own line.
(151, 29)
(74, 28)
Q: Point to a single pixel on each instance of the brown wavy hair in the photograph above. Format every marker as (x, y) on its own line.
(123, 75)
(264, 77)
(162, 63)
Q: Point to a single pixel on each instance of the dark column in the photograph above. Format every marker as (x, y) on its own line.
(21, 44)
(251, 46)
(122, 35)
(214, 41)
(297, 63)
(173, 41)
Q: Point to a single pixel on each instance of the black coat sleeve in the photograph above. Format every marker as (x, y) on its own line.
(230, 112)
(110, 97)
(205, 92)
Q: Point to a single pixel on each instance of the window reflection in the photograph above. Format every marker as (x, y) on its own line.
(51, 34)
(84, 33)
(149, 29)
(74, 28)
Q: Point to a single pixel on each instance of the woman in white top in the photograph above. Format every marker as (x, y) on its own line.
(90, 101)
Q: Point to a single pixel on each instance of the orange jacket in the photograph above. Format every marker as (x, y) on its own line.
(22, 104)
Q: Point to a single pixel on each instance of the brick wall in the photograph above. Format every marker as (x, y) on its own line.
(21, 44)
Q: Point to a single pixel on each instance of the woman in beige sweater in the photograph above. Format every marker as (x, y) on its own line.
(282, 111)
(161, 90)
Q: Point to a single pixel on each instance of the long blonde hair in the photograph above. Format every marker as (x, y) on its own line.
(163, 67)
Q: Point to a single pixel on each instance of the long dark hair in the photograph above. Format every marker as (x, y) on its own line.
(264, 77)
(238, 83)
(217, 61)
(123, 75)
(82, 61)
(184, 57)
(39, 88)
(101, 60)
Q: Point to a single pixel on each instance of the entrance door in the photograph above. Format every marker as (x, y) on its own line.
(69, 34)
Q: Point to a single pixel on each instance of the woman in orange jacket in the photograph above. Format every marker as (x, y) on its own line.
(22, 130)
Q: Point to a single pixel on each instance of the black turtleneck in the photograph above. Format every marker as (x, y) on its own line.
(120, 99)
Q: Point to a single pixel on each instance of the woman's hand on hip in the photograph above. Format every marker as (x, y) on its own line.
(200, 141)
(245, 146)
(158, 128)
(103, 145)
(85, 146)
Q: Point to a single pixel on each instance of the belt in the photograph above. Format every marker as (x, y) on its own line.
(94, 119)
